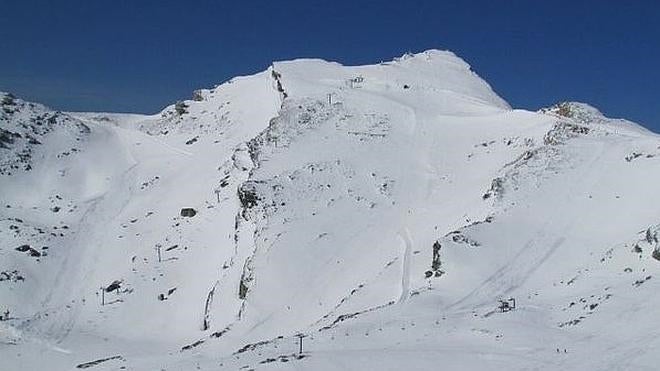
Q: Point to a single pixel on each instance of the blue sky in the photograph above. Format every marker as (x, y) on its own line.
(138, 56)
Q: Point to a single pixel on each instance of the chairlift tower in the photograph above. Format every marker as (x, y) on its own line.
(300, 337)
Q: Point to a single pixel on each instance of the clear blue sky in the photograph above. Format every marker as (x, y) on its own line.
(138, 56)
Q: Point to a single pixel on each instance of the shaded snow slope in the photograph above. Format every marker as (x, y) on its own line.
(382, 211)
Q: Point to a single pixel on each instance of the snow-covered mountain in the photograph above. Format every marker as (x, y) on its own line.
(381, 211)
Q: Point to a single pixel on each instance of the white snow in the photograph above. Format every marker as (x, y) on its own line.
(319, 192)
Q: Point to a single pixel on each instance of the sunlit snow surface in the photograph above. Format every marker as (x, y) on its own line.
(381, 211)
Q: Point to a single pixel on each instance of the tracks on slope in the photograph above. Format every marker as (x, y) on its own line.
(526, 261)
(405, 264)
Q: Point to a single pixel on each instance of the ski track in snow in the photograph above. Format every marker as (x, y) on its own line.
(405, 264)
(101, 211)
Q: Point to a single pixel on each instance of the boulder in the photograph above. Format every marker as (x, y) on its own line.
(188, 212)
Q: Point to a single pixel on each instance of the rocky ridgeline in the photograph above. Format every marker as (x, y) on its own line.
(24, 126)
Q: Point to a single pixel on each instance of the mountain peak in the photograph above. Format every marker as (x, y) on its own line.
(437, 80)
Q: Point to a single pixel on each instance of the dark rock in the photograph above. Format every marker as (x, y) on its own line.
(242, 290)
(7, 137)
(247, 193)
(656, 254)
(436, 263)
(190, 346)
(13, 276)
(98, 361)
(23, 248)
(32, 140)
(115, 285)
(188, 212)
(35, 253)
(28, 249)
(181, 108)
(8, 100)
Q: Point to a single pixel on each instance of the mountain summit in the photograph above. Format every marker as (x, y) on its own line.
(391, 216)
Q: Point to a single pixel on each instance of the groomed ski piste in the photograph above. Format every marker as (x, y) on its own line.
(382, 213)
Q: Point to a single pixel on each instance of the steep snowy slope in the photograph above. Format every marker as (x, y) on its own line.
(382, 211)
(116, 231)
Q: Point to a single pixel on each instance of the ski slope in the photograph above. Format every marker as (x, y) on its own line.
(380, 211)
